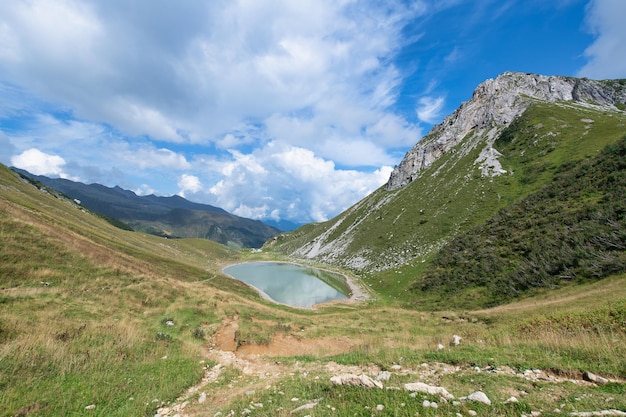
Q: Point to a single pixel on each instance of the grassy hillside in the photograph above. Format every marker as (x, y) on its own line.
(571, 231)
(83, 307)
(391, 237)
(99, 321)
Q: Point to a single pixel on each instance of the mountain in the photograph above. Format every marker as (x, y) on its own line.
(517, 134)
(173, 217)
(100, 321)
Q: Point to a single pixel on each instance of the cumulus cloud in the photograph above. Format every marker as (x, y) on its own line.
(189, 183)
(39, 163)
(605, 19)
(291, 183)
(268, 108)
(192, 72)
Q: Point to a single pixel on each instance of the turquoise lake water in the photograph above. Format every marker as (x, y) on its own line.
(291, 284)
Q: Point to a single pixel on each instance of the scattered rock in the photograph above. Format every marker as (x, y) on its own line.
(596, 379)
(202, 398)
(356, 381)
(440, 346)
(306, 406)
(511, 400)
(472, 413)
(479, 397)
(428, 389)
(383, 376)
(598, 413)
(380, 407)
(456, 340)
(90, 407)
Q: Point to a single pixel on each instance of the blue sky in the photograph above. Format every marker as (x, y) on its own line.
(290, 110)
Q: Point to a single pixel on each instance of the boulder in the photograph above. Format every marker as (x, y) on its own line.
(356, 381)
(428, 389)
(479, 397)
(596, 379)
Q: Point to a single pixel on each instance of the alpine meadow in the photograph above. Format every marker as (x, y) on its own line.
(488, 277)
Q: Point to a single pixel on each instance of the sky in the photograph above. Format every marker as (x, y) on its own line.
(270, 109)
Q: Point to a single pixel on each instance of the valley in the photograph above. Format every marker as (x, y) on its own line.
(100, 321)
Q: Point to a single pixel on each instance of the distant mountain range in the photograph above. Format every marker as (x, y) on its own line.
(172, 217)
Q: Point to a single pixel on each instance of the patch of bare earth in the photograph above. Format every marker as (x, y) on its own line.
(253, 362)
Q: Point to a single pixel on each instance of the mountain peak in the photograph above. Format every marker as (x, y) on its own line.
(494, 104)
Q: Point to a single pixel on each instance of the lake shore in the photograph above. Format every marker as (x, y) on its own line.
(357, 292)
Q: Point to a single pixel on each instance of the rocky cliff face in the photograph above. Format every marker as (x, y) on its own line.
(493, 106)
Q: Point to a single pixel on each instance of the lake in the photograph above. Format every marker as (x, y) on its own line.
(291, 284)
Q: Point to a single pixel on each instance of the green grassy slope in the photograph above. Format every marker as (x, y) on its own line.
(83, 307)
(390, 237)
(84, 321)
(572, 230)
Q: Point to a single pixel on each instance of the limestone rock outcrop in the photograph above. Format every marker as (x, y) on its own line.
(493, 106)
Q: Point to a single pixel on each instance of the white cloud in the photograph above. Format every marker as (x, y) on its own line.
(290, 182)
(355, 152)
(144, 189)
(189, 183)
(146, 156)
(429, 109)
(194, 71)
(39, 163)
(252, 105)
(606, 55)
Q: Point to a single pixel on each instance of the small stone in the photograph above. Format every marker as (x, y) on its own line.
(396, 367)
(434, 404)
(425, 403)
(456, 340)
(383, 376)
(479, 397)
(511, 400)
(380, 407)
(90, 407)
(251, 392)
(472, 413)
(202, 398)
(440, 346)
(307, 406)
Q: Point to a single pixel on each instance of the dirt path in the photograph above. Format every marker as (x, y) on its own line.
(253, 362)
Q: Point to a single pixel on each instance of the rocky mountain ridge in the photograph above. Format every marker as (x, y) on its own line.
(453, 179)
(494, 105)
